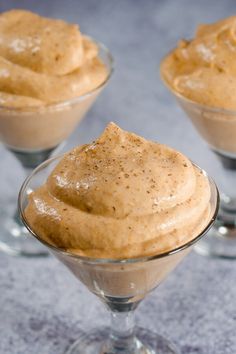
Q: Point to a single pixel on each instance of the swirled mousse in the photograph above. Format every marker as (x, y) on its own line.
(204, 69)
(45, 65)
(44, 61)
(120, 197)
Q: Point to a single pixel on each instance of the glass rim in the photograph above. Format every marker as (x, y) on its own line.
(230, 112)
(94, 260)
(70, 101)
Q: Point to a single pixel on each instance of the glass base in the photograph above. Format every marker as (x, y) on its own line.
(219, 242)
(147, 342)
(15, 239)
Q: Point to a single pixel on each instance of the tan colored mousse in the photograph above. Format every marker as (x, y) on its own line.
(120, 197)
(203, 70)
(44, 62)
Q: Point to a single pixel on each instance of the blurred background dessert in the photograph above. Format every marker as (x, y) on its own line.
(50, 75)
(203, 71)
(47, 67)
(201, 74)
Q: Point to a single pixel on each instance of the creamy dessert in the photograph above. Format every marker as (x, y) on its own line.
(203, 71)
(120, 197)
(46, 65)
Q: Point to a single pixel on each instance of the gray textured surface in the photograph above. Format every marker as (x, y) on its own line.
(42, 307)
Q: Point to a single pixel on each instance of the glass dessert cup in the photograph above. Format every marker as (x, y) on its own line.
(119, 284)
(218, 128)
(33, 135)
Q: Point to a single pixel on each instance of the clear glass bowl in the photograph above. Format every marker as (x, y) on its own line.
(33, 129)
(120, 284)
(32, 135)
(218, 128)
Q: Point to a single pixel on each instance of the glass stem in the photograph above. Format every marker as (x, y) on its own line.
(227, 183)
(122, 332)
(27, 172)
(29, 161)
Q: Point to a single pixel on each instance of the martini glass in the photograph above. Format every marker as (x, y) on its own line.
(33, 135)
(120, 284)
(218, 128)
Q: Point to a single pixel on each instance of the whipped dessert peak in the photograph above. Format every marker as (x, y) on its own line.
(121, 164)
(120, 196)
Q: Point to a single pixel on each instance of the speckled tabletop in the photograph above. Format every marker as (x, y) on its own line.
(43, 308)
